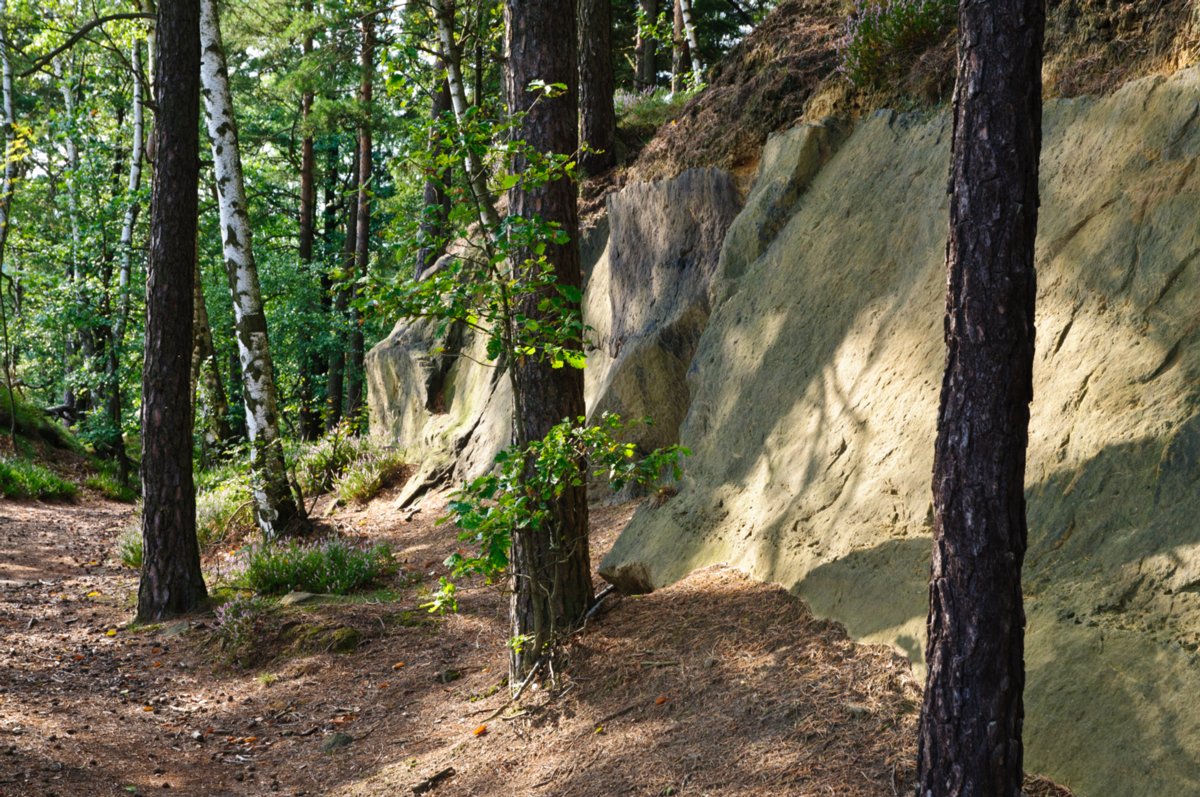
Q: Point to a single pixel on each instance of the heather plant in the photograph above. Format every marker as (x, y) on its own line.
(238, 622)
(331, 566)
(884, 36)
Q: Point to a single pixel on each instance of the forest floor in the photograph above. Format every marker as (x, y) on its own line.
(714, 686)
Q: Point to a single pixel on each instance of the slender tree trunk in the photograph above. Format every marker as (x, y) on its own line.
(337, 360)
(8, 175)
(171, 580)
(310, 413)
(693, 46)
(970, 727)
(275, 505)
(646, 49)
(552, 584)
(213, 407)
(678, 43)
(597, 118)
(452, 57)
(125, 256)
(75, 345)
(436, 211)
(354, 387)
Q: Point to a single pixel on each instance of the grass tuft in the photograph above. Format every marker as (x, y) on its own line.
(331, 566)
(20, 478)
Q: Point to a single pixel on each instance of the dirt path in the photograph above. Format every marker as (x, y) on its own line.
(715, 686)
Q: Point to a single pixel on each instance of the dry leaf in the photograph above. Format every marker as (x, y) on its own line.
(480, 731)
(398, 665)
(147, 708)
(111, 632)
(661, 699)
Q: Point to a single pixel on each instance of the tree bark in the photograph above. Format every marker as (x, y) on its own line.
(310, 413)
(275, 505)
(171, 581)
(678, 43)
(551, 583)
(970, 727)
(356, 377)
(646, 50)
(436, 211)
(335, 384)
(124, 274)
(693, 45)
(212, 405)
(451, 56)
(7, 177)
(597, 117)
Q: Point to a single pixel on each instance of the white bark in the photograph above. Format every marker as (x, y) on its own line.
(131, 210)
(689, 28)
(452, 58)
(275, 506)
(10, 166)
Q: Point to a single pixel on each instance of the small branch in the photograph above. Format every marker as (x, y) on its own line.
(77, 35)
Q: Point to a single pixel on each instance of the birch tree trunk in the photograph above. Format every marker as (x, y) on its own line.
(6, 190)
(452, 57)
(275, 505)
(125, 254)
(689, 29)
(75, 342)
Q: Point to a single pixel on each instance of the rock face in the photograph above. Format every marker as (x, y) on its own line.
(649, 263)
(648, 297)
(814, 394)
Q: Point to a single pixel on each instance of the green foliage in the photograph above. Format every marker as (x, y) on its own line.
(331, 566)
(520, 491)
(129, 547)
(32, 423)
(320, 465)
(106, 482)
(646, 112)
(883, 38)
(20, 478)
(224, 507)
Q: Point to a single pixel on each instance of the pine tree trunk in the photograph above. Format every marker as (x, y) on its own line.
(310, 413)
(354, 388)
(597, 117)
(171, 581)
(551, 585)
(970, 728)
(275, 506)
(335, 386)
(646, 50)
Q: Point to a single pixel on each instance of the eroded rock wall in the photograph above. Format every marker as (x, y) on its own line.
(813, 403)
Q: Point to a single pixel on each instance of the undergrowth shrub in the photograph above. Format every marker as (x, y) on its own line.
(20, 478)
(883, 38)
(32, 423)
(649, 110)
(331, 566)
(238, 626)
(320, 465)
(224, 508)
(106, 482)
(368, 476)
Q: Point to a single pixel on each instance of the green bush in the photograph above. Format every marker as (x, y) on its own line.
(20, 478)
(884, 38)
(223, 508)
(32, 423)
(331, 566)
(650, 110)
(238, 627)
(320, 465)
